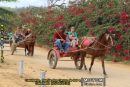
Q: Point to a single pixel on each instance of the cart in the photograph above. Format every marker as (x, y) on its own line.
(74, 53)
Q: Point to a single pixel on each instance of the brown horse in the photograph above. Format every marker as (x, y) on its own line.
(28, 43)
(98, 49)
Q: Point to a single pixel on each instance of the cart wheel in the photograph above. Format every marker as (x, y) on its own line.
(52, 57)
(79, 62)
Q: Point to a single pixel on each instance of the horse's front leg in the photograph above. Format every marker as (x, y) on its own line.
(25, 51)
(83, 55)
(85, 67)
(103, 66)
(28, 49)
(33, 50)
(92, 62)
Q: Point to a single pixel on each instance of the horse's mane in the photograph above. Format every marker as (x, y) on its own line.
(99, 39)
(101, 36)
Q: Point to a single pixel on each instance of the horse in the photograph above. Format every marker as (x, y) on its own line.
(97, 49)
(28, 43)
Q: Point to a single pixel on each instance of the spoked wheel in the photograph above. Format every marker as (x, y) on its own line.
(79, 62)
(52, 57)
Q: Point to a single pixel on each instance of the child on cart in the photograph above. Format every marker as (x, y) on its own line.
(72, 35)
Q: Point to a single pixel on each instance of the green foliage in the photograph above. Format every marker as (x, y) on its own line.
(82, 30)
(6, 17)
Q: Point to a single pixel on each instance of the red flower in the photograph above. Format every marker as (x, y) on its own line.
(128, 25)
(84, 18)
(61, 17)
(116, 54)
(124, 18)
(120, 37)
(118, 47)
(58, 24)
(126, 58)
(111, 29)
(76, 11)
(114, 60)
(124, 29)
(126, 51)
(91, 33)
(88, 23)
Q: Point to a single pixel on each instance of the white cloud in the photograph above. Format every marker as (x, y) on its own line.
(25, 3)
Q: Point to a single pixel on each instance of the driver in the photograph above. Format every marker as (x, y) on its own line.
(60, 39)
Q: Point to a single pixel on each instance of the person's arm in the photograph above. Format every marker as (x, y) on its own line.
(75, 34)
(55, 37)
(71, 37)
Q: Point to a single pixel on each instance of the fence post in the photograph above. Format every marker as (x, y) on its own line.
(21, 68)
(42, 76)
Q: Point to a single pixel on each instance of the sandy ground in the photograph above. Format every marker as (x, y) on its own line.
(118, 74)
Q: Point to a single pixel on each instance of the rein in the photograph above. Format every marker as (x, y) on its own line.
(58, 34)
(93, 47)
(103, 44)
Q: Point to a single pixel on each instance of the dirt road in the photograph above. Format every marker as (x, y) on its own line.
(118, 74)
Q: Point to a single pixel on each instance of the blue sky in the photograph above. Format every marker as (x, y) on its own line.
(26, 3)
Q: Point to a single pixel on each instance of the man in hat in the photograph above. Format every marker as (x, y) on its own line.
(59, 39)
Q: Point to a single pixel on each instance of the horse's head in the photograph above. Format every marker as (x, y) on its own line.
(107, 39)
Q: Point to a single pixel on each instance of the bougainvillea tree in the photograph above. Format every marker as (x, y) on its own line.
(91, 18)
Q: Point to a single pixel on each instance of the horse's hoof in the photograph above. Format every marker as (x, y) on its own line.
(85, 68)
(89, 72)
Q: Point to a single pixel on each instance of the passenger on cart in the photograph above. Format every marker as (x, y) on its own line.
(18, 36)
(72, 35)
(60, 40)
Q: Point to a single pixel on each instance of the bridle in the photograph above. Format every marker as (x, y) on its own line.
(106, 46)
